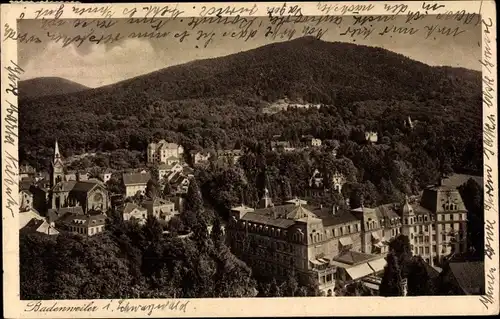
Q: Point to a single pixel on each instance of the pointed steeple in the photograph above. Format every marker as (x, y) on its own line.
(57, 155)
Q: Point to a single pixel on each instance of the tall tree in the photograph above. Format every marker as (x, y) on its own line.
(151, 189)
(391, 280)
(194, 201)
(217, 233)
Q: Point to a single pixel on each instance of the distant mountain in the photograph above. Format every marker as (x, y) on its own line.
(46, 86)
(228, 93)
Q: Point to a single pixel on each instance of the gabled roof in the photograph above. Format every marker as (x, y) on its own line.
(62, 213)
(354, 258)
(300, 212)
(136, 178)
(27, 216)
(41, 226)
(130, 207)
(469, 276)
(85, 186)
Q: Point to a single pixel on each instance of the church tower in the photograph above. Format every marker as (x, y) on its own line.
(57, 173)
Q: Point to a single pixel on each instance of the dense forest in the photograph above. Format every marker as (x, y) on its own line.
(217, 103)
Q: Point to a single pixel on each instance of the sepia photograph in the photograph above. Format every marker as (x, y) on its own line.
(251, 157)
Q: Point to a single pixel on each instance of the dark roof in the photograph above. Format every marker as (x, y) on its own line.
(136, 178)
(387, 211)
(84, 186)
(62, 213)
(431, 271)
(354, 257)
(469, 276)
(434, 198)
(32, 225)
(340, 217)
(267, 220)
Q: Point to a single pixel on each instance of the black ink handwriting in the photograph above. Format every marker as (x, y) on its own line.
(49, 13)
(489, 137)
(105, 12)
(490, 288)
(10, 178)
(489, 251)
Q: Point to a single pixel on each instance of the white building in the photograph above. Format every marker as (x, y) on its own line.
(164, 152)
(132, 211)
(136, 182)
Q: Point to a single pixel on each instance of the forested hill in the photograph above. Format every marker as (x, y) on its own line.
(219, 101)
(45, 86)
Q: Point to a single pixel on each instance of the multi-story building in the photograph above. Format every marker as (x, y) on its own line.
(160, 208)
(132, 211)
(136, 183)
(164, 152)
(88, 225)
(310, 241)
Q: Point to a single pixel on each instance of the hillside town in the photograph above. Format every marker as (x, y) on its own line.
(300, 168)
(337, 245)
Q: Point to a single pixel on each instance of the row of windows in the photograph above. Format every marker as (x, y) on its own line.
(452, 217)
(83, 230)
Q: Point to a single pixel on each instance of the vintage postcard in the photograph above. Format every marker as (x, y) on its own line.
(249, 159)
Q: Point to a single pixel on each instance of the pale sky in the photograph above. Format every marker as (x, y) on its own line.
(95, 65)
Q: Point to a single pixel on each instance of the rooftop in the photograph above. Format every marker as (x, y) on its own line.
(130, 207)
(469, 276)
(354, 258)
(136, 178)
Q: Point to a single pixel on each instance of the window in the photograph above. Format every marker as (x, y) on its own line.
(91, 231)
(426, 227)
(452, 216)
(459, 216)
(443, 237)
(426, 250)
(433, 227)
(433, 248)
(426, 239)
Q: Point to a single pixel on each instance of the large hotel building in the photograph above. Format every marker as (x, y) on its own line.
(334, 246)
